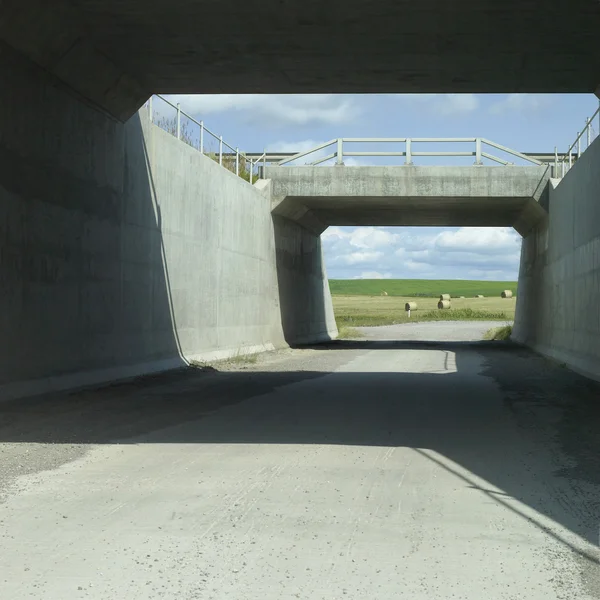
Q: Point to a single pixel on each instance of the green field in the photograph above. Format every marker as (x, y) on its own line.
(419, 288)
(365, 311)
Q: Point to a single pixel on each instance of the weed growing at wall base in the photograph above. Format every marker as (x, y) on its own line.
(498, 333)
(346, 333)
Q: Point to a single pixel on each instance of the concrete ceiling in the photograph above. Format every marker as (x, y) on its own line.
(116, 52)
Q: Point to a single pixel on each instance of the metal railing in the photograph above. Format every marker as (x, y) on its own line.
(235, 161)
(479, 150)
(565, 162)
(245, 166)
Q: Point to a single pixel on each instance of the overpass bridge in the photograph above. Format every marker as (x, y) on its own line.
(410, 195)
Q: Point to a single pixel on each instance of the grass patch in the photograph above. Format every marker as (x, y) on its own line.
(498, 333)
(463, 314)
(238, 359)
(348, 322)
(346, 333)
(419, 288)
(369, 311)
(248, 359)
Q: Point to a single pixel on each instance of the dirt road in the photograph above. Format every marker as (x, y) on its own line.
(414, 463)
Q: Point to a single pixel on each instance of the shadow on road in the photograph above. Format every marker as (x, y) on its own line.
(404, 345)
(537, 441)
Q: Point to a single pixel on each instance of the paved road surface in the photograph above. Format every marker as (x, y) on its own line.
(401, 465)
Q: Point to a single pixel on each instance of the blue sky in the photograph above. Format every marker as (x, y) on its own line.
(527, 123)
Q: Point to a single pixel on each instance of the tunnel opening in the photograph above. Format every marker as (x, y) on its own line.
(399, 275)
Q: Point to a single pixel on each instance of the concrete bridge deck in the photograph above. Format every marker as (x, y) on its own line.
(317, 197)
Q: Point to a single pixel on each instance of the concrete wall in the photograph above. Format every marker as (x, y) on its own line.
(124, 251)
(304, 296)
(558, 310)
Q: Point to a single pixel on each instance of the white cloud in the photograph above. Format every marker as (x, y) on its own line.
(414, 243)
(477, 253)
(334, 233)
(373, 275)
(305, 145)
(300, 146)
(361, 237)
(371, 237)
(520, 103)
(496, 275)
(445, 104)
(356, 258)
(458, 104)
(296, 109)
(488, 240)
(351, 161)
(416, 266)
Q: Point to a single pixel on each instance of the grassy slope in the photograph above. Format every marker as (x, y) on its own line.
(419, 287)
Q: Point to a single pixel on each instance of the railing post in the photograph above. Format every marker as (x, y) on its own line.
(264, 162)
(221, 150)
(555, 161)
(570, 159)
(340, 152)
(562, 167)
(150, 110)
(478, 151)
(578, 145)
(588, 132)
(237, 161)
(408, 160)
(178, 121)
(202, 137)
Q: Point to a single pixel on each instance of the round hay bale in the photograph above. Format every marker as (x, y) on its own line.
(479, 296)
(445, 297)
(410, 306)
(443, 304)
(462, 296)
(384, 293)
(506, 294)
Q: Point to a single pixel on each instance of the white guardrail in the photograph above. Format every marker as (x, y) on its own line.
(567, 159)
(479, 150)
(184, 127)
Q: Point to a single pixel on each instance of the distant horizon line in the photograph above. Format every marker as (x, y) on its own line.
(416, 279)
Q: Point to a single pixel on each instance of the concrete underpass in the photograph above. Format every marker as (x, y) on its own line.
(416, 462)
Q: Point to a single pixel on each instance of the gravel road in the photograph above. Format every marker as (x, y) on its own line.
(416, 462)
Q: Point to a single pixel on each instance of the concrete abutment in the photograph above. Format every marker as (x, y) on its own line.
(123, 251)
(558, 305)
